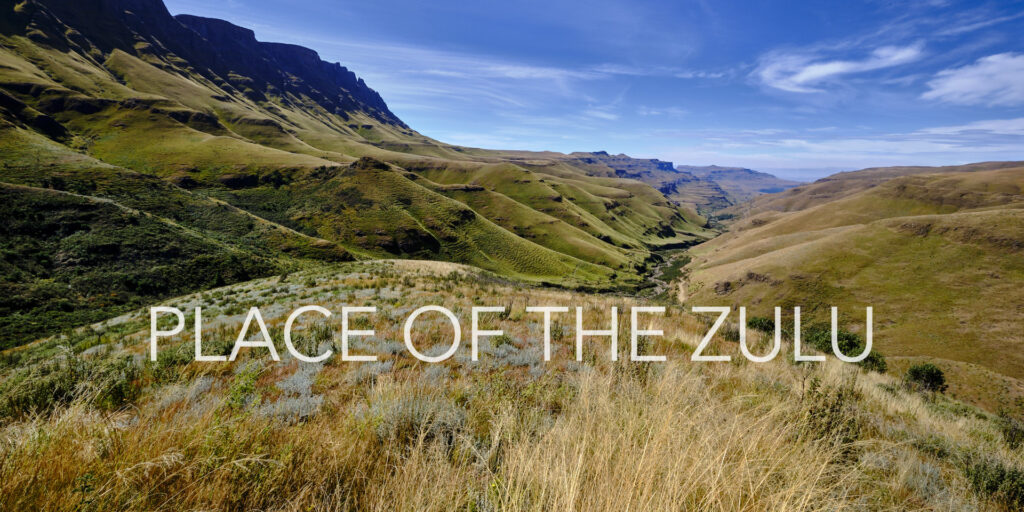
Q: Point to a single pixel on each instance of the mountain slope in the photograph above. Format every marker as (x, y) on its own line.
(843, 184)
(268, 149)
(203, 105)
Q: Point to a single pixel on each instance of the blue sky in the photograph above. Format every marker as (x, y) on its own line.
(798, 88)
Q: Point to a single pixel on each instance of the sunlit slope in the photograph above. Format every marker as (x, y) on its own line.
(845, 184)
(200, 104)
(84, 240)
(35, 161)
(939, 257)
(379, 210)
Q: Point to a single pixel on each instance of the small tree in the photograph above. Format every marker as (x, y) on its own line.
(926, 377)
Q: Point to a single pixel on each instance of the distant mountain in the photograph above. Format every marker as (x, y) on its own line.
(741, 184)
(277, 159)
(844, 184)
(680, 186)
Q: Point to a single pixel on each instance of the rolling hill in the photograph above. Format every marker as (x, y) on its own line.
(937, 252)
(680, 186)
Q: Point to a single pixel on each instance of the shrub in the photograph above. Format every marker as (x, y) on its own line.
(926, 377)
(42, 388)
(243, 392)
(1012, 429)
(404, 420)
(116, 382)
(761, 323)
(820, 337)
(108, 384)
(992, 477)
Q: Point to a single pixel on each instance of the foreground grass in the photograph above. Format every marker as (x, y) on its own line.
(508, 432)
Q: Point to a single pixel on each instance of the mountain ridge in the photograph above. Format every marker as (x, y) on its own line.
(245, 132)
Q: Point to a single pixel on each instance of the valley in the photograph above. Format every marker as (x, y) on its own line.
(150, 160)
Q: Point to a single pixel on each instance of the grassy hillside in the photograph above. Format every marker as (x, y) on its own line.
(844, 184)
(938, 256)
(269, 150)
(69, 260)
(184, 104)
(89, 424)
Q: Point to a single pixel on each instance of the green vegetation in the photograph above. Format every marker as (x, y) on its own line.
(761, 323)
(70, 260)
(252, 179)
(926, 377)
(850, 344)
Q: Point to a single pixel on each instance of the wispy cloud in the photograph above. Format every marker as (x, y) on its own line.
(996, 80)
(801, 72)
(984, 20)
(600, 114)
(667, 111)
(987, 127)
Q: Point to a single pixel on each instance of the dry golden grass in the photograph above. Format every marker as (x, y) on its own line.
(505, 433)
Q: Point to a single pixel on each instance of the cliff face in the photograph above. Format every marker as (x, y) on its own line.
(290, 68)
(219, 51)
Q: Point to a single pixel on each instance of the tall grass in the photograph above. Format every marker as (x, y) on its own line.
(600, 435)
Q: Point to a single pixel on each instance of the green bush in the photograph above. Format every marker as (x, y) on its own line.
(1013, 431)
(820, 337)
(42, 388)
(831, 412)
(926, 377)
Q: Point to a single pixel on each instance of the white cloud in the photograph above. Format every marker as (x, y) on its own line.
(795, 72)
(996, 80)
(989, 127)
